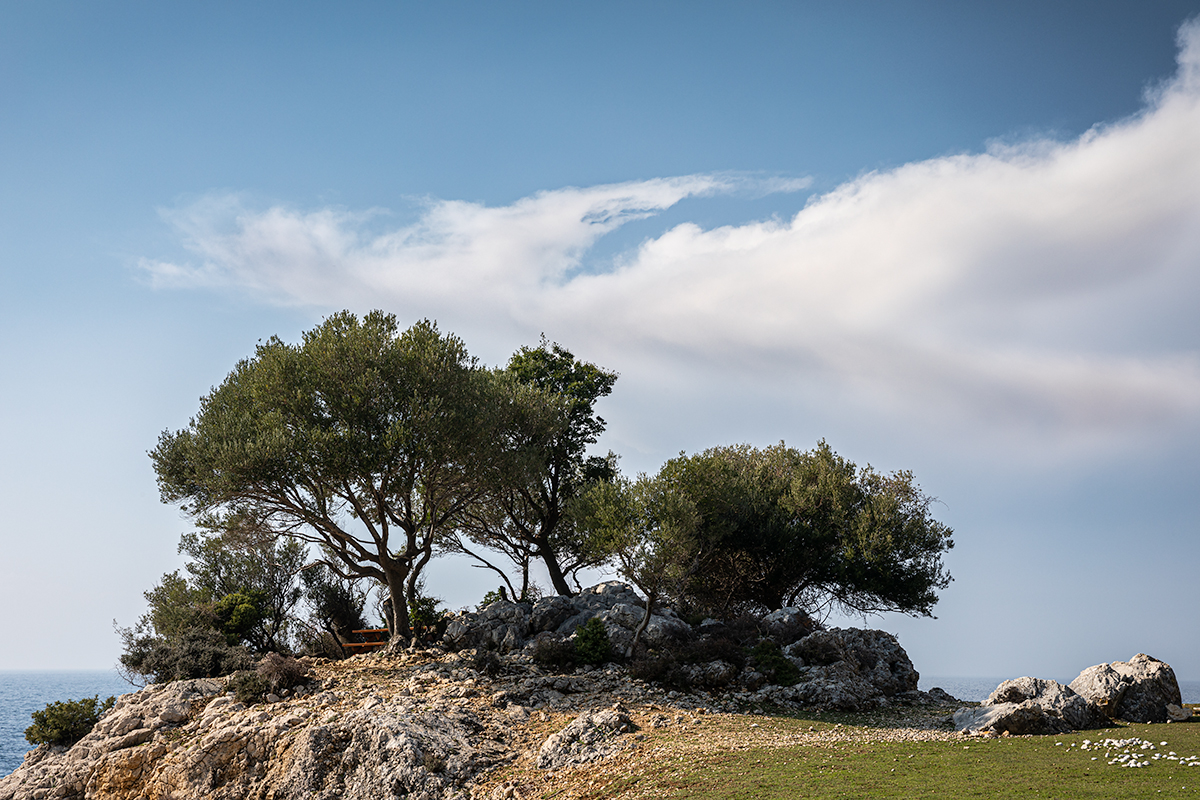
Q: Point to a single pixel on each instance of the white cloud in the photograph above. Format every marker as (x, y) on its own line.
(1047, 286)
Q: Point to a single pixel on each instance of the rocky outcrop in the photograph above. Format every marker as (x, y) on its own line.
(1142, 689)
(852, 669)
(190, 740)
(1137, 690)
(1030, 706)
(590, 737)
(431, 724)
(506, 626)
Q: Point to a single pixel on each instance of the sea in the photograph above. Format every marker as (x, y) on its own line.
(22, 693)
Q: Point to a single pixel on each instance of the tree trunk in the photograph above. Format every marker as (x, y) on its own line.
(396, 591)
(637, 635)
(556, 574)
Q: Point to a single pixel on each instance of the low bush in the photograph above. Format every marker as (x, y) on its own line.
(712, 648)
(249, 687)
(321, 644)
(486, 662)
(770, 661)
(65, 723)
(195, 653)
(555, 652)
(281, 672)
(591, 642)
(652, 668)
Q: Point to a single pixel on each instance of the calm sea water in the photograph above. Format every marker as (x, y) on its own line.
(22, 693)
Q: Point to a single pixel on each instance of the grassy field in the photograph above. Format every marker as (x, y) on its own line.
(735, 757)
(1044, 767)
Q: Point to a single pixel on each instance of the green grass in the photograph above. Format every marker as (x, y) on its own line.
(1033, 767)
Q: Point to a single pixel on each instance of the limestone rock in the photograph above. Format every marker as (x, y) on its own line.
(589, 737)
(1176, 713)
(1030, 706)
(1137, 690)
(788, 625)
(550, 612)
(850, 669)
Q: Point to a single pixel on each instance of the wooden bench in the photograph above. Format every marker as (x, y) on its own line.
(373, 639)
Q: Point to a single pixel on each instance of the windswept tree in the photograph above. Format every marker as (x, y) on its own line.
(526, 516)
(363, 439)
(738, 528)
(648, 529)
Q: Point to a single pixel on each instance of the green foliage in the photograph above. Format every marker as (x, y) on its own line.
(737, 528)
(248, 686)
(770, 661)
(591, 642)
(528, 515)
(362, 433)
(65, 723)
(555, 653)
(336, 609)
(493, 596)
(425, 614)
(239, 613)
(238, 556)
(194, 653)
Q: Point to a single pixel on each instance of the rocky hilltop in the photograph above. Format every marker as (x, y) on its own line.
(443, 721)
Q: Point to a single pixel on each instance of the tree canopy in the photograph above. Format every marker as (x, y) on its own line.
(748, 528)
(363, 439)
(526, 515)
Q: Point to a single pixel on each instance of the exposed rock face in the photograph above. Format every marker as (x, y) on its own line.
(851, 669)
(431, 724)
(196, 743)
(1030, 706)
(589, 737)
(1137, 690)
(506, 626)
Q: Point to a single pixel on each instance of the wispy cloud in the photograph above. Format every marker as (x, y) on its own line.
(1046, 286)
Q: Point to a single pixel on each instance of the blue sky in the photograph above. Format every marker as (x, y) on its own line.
(952, 238)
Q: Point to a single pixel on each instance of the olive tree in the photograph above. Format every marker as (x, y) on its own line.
(778, 527)
(363, 439)
(526, 514)
(648, 529)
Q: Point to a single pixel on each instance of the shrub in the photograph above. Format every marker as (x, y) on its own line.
(281, 672)
(320, 644)
(194, 653)
(249, 687)
(652, 668)
(65, 723)
(553, 652)
(493, 596)
(712, 648)
(770, 661)
(591, 642)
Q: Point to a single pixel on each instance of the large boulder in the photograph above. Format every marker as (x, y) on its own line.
(502, 625)
(849, 669)
(1030, 706)
(874, 656)
(1137, 690)
(788, 625)
(506, 626)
